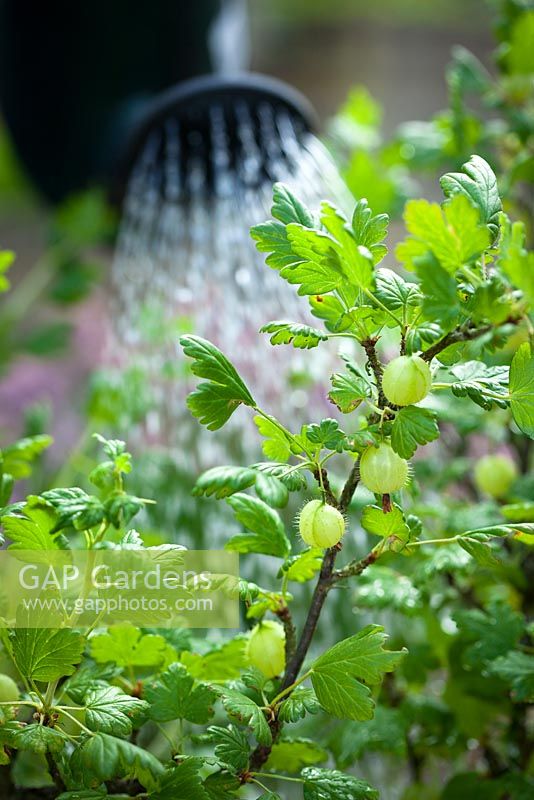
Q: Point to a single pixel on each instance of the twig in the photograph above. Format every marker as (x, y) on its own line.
(319, 596)
(369, 345)
(284, 615)
(55, 774)
(453, 337)
(349, 488)
(322, 587)
(322, 479)
(357, 566)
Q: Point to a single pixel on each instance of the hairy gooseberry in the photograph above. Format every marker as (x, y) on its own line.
(406, 380)
(382, 470)
(9, 691)
(266, 648)
(320, 524)
(494, 474)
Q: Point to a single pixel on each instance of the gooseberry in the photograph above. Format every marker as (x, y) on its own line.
(9, 691)
(382, 470)
(320, 524)
(406, 380)
(266, 648)
(494, 474)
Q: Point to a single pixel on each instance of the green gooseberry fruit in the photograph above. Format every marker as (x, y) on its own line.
(266, 648)
(320, 524)
(494, 474)
(406, 380)
(382, 470)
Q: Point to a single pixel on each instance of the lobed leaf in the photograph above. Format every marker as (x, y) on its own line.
(266, 533)
(214, 402)
(478, 183)
(299, 335)
(338, 675)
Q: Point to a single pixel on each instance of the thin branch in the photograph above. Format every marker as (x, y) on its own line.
(322, 587)
(349, 488)
(357, 566)
(319, 596)
(453, 337)
(55, 774)
(369, 345)
(284, 615)
(324, 483)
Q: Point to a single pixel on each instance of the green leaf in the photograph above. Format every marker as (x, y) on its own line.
(370, 231)
(300, 702)
(120, 508)
(220, 664)
(292, 478)
(40, 739)
(413, 426)
(291, 755)
(300, 336)
(266, 531)
(518, 512)
(382, 587)
(318, 269)
(522, 389)
(172, 696)
(440, 295)
(517, 669)
(303, 567)
(514, 260)
(348, 391)
(327, 434)
(288, 208)
(75, 508)
(338, 675)
(126, 646)
(271, 238)
(223, 481)
(491, 632)
(110, 710)
(385, 523)
(355, 259)
(102, 757)
(332, 311)
(242, 708)
(87, 676)
(453, 234)
(183, 780)
(33, 531)
(230, 746)
(271, 490)
(214, 402)
(478, 183)
(385, 733)
(330, 784)
(276, 444)
(485, 386)
(43, 654)
(394, 292)
(222, 786)
(482, 552)
(17, 458)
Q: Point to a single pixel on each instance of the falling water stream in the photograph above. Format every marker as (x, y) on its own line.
(185, 258)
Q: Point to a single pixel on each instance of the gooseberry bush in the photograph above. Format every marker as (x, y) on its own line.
(399, 532)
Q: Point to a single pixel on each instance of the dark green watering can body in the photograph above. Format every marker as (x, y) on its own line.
(74, 74)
